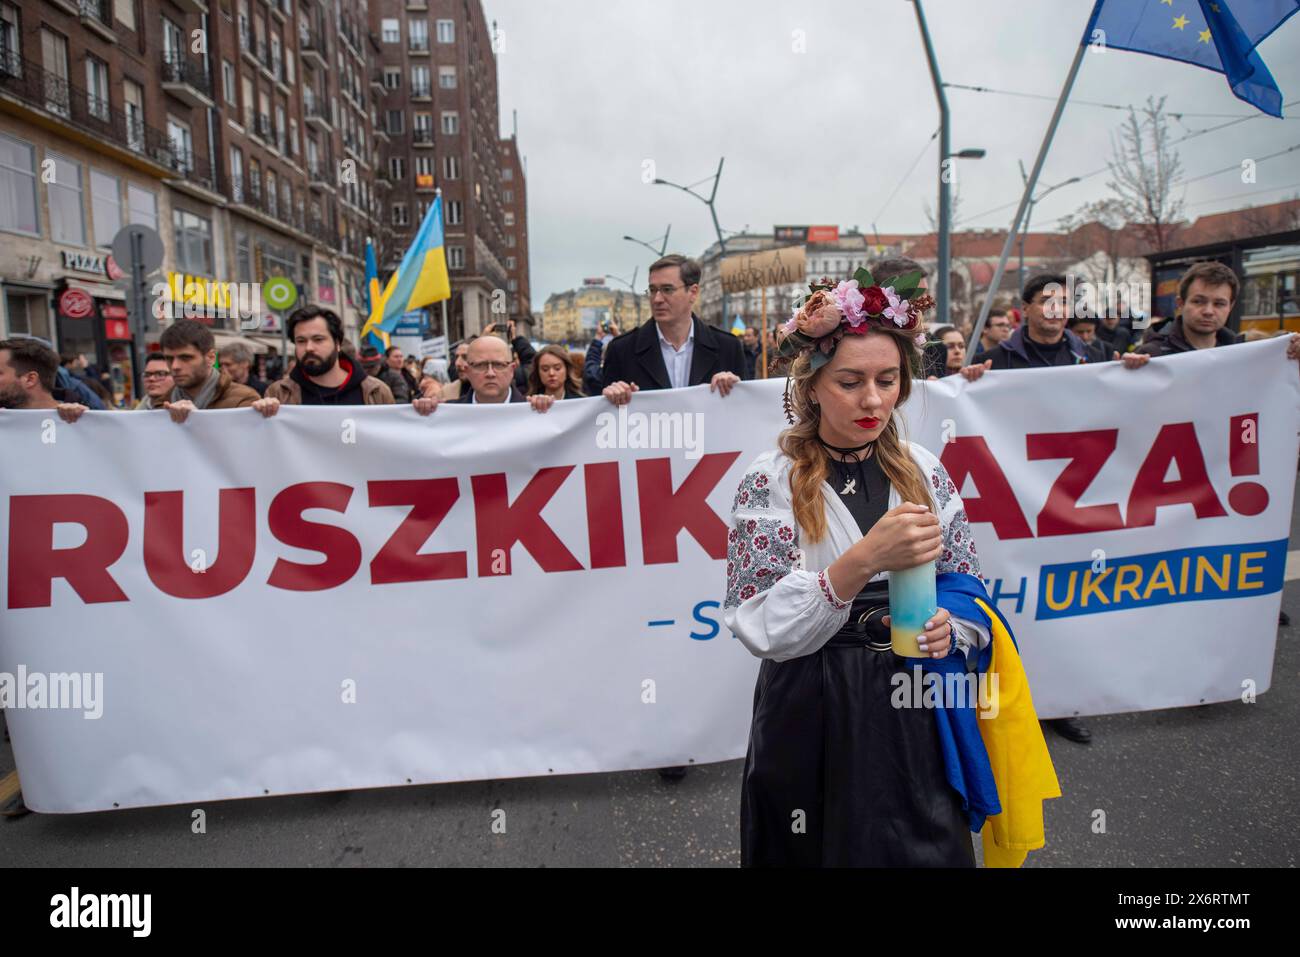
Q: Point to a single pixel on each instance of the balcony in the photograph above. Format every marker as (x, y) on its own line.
(184, 79)
(51, 99)
(377, 83)
(263, 127)
(318, 177)
(313, 113)
(421, 92)
(193, 174)
(311, 46)
(96, 17)
(421, 137)
(417, 45)
(324, 231)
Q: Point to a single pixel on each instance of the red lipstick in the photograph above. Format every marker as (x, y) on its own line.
(867, 422)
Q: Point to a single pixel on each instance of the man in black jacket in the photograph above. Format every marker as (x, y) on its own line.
(1206, 294)
(1042, 340)
(677, 349)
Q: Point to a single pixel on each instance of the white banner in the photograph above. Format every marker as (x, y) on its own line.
(360, 597)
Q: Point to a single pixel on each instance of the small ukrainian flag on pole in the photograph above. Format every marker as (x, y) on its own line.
(419, 281)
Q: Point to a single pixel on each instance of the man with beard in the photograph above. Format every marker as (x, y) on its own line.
(323, 375)
(459, 386)
(28, 370)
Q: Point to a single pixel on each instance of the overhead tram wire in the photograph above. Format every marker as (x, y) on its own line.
(910, 170)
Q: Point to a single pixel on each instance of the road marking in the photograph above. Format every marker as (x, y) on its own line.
(9, 788)
(1292, 565)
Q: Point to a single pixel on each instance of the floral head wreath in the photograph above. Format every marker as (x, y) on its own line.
(833, 310)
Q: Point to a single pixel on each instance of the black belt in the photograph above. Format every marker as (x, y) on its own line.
(865, 628)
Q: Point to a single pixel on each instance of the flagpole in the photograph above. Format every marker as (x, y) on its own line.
(972, 345)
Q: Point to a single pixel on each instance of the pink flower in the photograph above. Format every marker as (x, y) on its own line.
(849, 299)
(920, 339)
(897, 308)
(819, 315)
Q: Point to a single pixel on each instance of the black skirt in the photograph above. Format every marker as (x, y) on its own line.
(836, 776)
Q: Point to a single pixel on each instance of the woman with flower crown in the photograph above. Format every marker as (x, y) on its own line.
(835, 773)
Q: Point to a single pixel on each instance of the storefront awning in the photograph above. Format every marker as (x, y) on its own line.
(230, 338)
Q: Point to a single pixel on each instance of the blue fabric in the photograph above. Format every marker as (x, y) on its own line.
(74, 390)
(964, 756)
(1218, 35)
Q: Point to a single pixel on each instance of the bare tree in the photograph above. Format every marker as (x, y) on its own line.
(1097, 227)
(1145, 171)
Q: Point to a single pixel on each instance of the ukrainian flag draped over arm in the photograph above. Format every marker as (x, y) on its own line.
(420, 280)
(1219, 35)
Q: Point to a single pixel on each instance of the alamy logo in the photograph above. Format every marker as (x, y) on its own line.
(76, 691)
(651, 430)
(103, 910)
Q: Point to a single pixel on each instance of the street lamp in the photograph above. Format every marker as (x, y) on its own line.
(943, 279)
(722, 243)
(636, 297)
(663, 247)
(1029, 214)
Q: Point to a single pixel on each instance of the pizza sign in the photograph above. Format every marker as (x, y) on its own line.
(76, 303)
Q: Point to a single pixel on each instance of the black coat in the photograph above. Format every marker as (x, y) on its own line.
(468, 398)
(635, 356)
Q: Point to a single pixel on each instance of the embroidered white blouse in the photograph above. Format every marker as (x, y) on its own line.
(780, 602)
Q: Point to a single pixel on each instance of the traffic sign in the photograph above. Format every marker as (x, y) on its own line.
(279, 293)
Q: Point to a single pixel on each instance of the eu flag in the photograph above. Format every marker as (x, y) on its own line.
(1215, 34)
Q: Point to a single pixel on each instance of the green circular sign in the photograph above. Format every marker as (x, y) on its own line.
(280, 293)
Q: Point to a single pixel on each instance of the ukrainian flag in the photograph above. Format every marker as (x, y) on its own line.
(378, 337)
(420, 280)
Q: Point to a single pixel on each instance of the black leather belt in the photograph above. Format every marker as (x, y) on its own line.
(865, 628)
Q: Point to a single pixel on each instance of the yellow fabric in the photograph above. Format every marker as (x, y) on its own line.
(1022, 767)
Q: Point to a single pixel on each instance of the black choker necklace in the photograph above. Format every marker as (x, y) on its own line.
(847, 452)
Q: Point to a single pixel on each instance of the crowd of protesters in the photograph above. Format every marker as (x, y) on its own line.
(676, 350)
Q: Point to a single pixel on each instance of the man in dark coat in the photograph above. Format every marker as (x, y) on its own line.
(677, 349)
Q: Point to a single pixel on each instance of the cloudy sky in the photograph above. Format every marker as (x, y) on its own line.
(603, 87)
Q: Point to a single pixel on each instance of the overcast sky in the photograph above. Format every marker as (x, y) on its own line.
(824, 136)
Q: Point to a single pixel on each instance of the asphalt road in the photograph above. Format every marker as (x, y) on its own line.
(1213, 786)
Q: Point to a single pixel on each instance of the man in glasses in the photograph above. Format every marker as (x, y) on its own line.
(158, 382)
(996, 330)
(490, 366)
(677, 349)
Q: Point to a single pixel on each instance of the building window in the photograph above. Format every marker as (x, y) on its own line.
(249, 108)
(454, 214)
(507, 175)
(446, 31)
(400, 215)
(228, 81)
(236, 175)
(514, 285)
(54, 59)
(193, 242)
(105, 206)
(395, 121)
(392, 78)
(293, 137)
(97, 87)
(455, 257)
(243, 258)
(18, 186)
(397, 167)
(451, 122)
(182, 146)
(507, 196)
(141, 206)
(67, 216)
(424, 165)
(447, 77)
(451, 167)
(510, 262)
(28, 315)
(419, 33)
(510, 240)
(510, 218)
(420, 81)
(391, 31)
